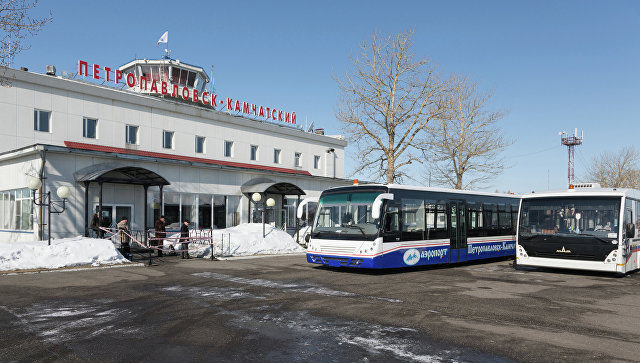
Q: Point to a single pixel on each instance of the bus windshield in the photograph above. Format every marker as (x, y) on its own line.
(346, 216)
(587, 216)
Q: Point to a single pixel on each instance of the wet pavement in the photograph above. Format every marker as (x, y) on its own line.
(282, 309)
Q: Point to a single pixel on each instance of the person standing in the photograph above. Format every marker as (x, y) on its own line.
(184, 238)
(123, 231)
(160, 228)
(95, 225)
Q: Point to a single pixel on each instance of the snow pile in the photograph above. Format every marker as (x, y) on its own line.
(77, 251)
(246, 239)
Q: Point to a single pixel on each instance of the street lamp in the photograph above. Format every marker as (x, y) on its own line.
(53, 206)
(270, 203)
(257, 197)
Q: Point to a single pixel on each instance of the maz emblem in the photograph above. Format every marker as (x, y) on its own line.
(563, 250)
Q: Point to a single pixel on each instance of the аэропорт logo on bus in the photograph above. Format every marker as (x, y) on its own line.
(411, 257)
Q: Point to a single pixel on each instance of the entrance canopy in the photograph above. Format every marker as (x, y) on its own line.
(267, 186)
(120, 174)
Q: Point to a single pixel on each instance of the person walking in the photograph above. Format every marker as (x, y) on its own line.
(184, 238)
(160, 228)
(123, 231)
(95, 225)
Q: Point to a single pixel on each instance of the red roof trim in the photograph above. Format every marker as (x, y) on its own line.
(118, 150)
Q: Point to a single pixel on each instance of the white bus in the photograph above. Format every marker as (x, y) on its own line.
(389, 226)
(583, 228)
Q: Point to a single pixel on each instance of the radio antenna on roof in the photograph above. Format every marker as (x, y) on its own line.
(570, 142)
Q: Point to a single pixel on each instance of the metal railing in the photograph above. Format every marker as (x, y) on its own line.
(206, 243)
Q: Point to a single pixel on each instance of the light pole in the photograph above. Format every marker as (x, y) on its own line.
(257, 197)
(53, 206)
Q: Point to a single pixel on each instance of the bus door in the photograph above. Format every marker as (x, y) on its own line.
(458, 228)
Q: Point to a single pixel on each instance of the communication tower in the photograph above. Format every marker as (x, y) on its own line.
(570, 142)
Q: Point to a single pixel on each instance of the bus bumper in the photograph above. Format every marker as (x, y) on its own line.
(568, 264)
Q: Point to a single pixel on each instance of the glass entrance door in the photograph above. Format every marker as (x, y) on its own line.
(112, 214)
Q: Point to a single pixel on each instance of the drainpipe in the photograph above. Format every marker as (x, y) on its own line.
(43, 163)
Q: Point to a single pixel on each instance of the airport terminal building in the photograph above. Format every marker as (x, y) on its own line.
(151, 141)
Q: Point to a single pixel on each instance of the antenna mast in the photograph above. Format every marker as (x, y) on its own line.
(570, 142)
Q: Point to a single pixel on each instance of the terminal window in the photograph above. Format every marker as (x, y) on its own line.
(276, 156)
(297, 159)
(132, 135)
(16, 209)
(167, 139)
(41, 120)
(316, 162)
(228, 148)
(200, 144)
(254, 152)
(89, 128)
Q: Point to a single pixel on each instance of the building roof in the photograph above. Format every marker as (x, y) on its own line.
(118, 150)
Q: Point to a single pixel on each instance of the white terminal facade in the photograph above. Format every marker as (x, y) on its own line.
(131, 149)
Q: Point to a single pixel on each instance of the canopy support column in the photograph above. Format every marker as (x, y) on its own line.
(86, 209)
(297, 222)
(146, 211)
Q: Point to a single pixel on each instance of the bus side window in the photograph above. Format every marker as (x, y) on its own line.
(436, 221)
(637, 215)
(475, 225)
(504, 216)
(628, 215)
(413, 219)
(430, 219)
(491, 219)
(637, 218)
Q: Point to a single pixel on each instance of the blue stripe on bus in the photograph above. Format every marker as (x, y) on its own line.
(418, 256)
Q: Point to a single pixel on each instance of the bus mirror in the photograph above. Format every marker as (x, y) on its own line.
(304, 202)
(377, 204)
(631, 230)
(307, 237)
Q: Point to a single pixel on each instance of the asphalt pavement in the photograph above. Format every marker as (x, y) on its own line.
(280, 308)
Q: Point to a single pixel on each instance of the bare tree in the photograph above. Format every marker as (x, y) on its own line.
(463, 148)
(386, 100)
(619, 169)
(16, 25)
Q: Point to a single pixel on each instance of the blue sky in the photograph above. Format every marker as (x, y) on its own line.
(552, 65)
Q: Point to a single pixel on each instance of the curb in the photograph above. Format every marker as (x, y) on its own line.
(232, 258)
(66, 269)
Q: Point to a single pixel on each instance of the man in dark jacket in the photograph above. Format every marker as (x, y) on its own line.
(160, 228)
(184, 238)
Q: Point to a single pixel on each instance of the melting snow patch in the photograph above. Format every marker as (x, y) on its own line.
(219, 293)
(289, 286)
(59, 323)
(341, 340)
